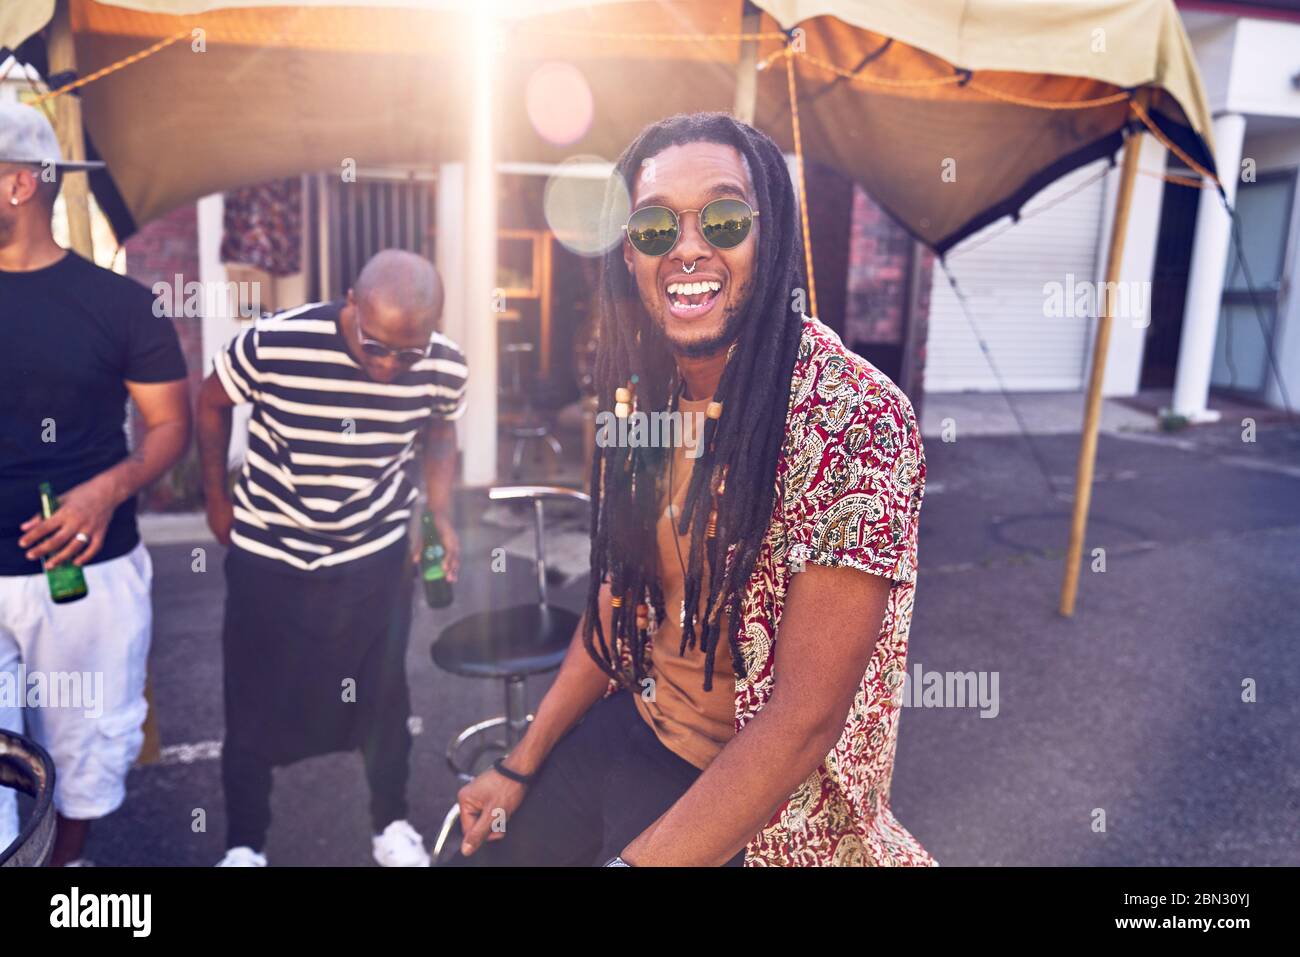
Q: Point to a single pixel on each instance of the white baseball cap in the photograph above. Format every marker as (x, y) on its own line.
(26, 136)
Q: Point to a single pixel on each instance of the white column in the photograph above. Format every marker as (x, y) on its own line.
(219, 328)
(1128, 331)
(449, 257)
(480, 262)
(449, 251)
(1205, 280)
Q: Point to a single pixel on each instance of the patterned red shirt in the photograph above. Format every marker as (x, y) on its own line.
(850, 479)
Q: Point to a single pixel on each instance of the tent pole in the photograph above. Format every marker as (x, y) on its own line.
(751, 20)
(67, 124)
(1092, 407)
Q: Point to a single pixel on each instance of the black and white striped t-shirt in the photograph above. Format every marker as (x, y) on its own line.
(325, 480)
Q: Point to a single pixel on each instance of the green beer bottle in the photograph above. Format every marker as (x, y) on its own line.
(67, 583)
(433, 569)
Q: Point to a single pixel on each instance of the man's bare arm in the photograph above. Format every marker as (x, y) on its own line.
(213, 420)
(578, 686)
(439, 469)
(88, 508)
(828, 632)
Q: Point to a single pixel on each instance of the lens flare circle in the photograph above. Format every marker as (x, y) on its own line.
(559, 103)
(574, 199)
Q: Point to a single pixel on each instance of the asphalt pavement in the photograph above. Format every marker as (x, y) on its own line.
(1120, 736)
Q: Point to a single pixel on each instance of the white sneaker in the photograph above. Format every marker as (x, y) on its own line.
(400, 846)
(242, 857)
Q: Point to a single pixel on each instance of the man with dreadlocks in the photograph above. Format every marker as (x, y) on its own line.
(732, 694)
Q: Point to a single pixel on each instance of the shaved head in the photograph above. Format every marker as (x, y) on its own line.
(401, 289)
(396, 303)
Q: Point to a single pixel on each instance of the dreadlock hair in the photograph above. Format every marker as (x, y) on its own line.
(742, 446)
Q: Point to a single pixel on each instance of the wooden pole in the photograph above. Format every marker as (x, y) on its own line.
(1092, 407)
(67, 124)
(751, 20)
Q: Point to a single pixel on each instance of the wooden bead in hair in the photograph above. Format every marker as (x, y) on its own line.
(623, 401)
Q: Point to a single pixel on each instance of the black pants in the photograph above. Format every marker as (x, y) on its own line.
(314, 663)
(605, 782)
(246, 779)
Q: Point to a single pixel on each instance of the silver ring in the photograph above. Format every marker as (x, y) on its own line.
(82, 537)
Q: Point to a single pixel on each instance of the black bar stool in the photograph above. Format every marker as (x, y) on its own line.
(508, 644)
(25, 766)
(532, 425)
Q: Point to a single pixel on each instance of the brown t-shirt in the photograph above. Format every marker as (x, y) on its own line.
(692, 723)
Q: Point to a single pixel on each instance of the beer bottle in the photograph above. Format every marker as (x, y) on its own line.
(433, 570)
(67, 583)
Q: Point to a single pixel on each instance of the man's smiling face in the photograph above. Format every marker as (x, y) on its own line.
(699, 312)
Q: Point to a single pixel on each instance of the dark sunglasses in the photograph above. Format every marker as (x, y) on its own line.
(377, 350)
(725, 223)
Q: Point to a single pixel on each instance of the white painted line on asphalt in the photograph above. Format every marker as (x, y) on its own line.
(1168, 441)
(189, 753)
(177, 528)
(1262, 465)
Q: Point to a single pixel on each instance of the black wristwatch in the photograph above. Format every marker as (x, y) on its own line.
(616, 862)
(499, 765)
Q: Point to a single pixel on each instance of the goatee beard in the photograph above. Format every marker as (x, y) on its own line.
(730, 332)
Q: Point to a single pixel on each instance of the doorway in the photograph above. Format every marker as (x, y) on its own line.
(1178, 208)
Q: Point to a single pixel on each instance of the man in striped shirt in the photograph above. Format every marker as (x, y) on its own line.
(319, 569)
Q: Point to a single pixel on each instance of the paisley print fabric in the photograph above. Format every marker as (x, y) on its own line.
(850, 481)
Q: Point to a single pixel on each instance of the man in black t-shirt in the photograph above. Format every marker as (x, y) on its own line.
(76, 342)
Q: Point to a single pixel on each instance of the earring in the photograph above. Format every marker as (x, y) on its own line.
(13, 200)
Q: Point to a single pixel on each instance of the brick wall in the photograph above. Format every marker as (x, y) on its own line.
(157, 253)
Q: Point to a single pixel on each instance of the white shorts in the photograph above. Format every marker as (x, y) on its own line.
(76, 673)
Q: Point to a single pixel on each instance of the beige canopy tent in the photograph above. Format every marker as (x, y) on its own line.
(951, 113)
(892, 94)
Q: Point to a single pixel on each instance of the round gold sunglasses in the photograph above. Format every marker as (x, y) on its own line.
(724, 223)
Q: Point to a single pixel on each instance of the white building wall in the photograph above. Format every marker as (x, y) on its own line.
(1282, 152)
(1257, 81)
(1128, 332)
(1246, 67)
(1003, 273)
(1266, 56)
(1004, 280)
(1214, 41)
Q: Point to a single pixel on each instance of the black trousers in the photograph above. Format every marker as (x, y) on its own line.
(314, 663)
(604, 783)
